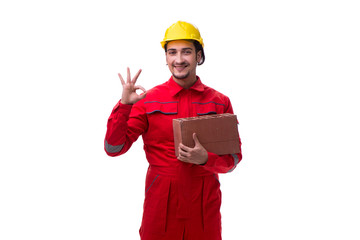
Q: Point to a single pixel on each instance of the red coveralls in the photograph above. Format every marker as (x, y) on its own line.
(182, 201)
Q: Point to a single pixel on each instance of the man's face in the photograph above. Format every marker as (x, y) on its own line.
(181, 58)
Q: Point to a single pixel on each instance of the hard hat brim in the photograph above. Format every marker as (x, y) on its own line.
(163, 43)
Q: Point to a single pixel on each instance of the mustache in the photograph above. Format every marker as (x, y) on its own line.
(180, 64)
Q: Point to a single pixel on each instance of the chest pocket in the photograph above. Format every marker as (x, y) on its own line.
(208, 108)
(167, 108)
(159, 116)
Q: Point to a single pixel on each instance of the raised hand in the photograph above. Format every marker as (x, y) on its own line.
(129, 95)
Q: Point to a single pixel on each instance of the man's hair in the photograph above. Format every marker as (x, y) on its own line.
(198, 48)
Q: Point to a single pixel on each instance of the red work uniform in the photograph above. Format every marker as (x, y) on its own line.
(182, 200)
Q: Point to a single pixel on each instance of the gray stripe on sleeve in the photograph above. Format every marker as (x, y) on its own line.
(236, 161)
(113, 149)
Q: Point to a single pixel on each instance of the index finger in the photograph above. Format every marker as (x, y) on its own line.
(136, 76)
(184, 148)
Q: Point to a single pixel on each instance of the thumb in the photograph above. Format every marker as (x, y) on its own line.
(196, 140)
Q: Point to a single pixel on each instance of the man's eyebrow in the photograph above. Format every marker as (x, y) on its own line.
(174, 49)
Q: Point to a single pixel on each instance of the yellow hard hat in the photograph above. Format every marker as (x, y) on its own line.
(182, 31)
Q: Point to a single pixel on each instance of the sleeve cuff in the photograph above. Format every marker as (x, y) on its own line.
(211, 160)
(122, 108)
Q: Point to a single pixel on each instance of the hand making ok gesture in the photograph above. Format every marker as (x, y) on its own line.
(129, 95)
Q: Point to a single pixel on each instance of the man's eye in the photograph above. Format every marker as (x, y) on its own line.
(188, 52)
(172, 52)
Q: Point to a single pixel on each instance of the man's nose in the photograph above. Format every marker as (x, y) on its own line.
(179, 58)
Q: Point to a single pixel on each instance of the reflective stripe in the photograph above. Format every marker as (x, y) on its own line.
(236, 161)
(160, 102)
(151, 184)
(208, 103)
(217, 179)
(162, 107)
(166, 113)
(113, 149)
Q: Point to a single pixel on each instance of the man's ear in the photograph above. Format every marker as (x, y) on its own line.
(198, 56)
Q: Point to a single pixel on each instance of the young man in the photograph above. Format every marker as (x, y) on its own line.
(182, 194)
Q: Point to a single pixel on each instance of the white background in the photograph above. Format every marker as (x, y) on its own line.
(290, 68)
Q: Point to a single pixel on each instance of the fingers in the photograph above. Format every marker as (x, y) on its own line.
(196, 140)
(129, 80)
(184, 148)
(184, 156)
(128, 77)
(183, 159)
(121, 79)
(140, 87)
(184, 152)
(195, 155)
(136, 76)
(142, 95)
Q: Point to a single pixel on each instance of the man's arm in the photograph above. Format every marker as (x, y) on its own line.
(210, 161)
(126, 123)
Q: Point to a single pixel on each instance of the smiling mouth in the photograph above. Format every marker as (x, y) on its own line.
(180, 67)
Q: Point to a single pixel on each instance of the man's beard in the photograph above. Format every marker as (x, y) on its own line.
(181, 76)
